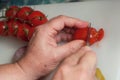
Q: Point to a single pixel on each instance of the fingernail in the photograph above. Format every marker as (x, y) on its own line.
(82, 43)
(86, 48)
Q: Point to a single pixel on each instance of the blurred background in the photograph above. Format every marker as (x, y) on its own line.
(4, 3)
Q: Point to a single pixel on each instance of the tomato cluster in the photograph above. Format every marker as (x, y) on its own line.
(21, 22)
(94, 35)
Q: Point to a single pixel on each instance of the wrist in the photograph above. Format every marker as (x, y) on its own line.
(12, 72)
(31, 67)
(20, 72)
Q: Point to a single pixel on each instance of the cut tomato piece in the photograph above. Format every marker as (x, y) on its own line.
(100, 34)
(95, 35)
(93, 32)
(92, 40)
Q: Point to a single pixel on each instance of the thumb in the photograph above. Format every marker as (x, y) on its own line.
(68, 49)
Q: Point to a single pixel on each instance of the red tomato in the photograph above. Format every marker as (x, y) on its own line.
(37, 18)
(100, 34)
(92, 41)
(12, 27)
(2, 27)
(11, 12)
(93, 32)
(95, 35)
(24, 12)
(80, 34)
(22, 31)
(20, 22)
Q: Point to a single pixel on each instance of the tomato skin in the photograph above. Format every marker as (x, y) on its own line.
(24, 12)
(100, 34)
(37, 21)
(11, 12)
(37, 18)
(80, 34)
(20, 32)
(23, 31)
(11, 27)
(20, 22)
(1, 27)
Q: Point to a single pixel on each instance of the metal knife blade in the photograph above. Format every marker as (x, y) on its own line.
(88, 35)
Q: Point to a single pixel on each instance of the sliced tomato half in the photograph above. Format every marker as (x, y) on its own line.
(100, 34)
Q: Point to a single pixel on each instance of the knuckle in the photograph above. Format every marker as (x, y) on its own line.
(36, 29)
(40, 30)
(54, 59)
(57, 17)
(91, 53)
(85, 74)
(89, 50)
(86, 48)
(65, 68)
(72, 49)
(61, 16)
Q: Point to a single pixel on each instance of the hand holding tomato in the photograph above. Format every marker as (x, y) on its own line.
(43, 53)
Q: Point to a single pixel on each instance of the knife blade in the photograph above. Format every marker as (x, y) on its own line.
(88, 35)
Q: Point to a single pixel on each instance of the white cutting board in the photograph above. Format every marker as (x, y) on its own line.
(104, 14)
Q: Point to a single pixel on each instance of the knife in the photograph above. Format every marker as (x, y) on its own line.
(88, 35)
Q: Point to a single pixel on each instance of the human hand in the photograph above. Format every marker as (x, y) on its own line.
(79, 66)
(43, 53)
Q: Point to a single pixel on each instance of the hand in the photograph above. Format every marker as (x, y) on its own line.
(43, 53)
(79, 66)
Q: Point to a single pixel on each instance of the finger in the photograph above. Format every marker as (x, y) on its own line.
(58, 23)
(88, 61)
(68, 49)
(74, 58)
